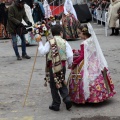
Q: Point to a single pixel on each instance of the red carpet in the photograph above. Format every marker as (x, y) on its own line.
(57, 10)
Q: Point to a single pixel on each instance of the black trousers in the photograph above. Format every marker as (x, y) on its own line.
(56, 93)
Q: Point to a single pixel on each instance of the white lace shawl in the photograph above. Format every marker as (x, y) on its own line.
(94, 61)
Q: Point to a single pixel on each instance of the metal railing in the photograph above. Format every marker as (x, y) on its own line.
(101, 16)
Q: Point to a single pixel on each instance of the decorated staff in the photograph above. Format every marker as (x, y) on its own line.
(38, 29)
(43, 29)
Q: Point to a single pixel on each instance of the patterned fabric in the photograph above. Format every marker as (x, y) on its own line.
(57, 67)
(70, 25)
(91, 81)
(61, 43)
(101, 88)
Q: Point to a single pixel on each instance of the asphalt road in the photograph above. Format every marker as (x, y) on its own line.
(14, 77)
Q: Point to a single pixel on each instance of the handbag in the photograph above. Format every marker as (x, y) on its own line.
(21, 30)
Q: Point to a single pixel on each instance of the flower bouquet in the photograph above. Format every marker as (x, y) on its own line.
(41, 28)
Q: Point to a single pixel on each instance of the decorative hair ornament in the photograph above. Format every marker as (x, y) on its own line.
(84, 29)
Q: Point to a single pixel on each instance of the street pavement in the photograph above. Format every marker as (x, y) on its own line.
(15, 75)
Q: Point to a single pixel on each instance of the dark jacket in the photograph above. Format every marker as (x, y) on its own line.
(37, 13)
(15, 16)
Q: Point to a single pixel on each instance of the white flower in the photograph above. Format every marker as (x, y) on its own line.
(37, 31)
(44, 28)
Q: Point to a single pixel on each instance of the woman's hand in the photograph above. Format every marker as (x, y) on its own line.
(73, 66)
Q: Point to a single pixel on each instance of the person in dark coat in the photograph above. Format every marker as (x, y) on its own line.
(37, 13)
(16, 13)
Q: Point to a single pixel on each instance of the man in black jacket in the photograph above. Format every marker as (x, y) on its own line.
(16, 13)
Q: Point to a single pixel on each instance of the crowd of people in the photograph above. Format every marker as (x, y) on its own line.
(100, 5)
(112, 7)
(90, 79)
(20, 14)
(36, 6)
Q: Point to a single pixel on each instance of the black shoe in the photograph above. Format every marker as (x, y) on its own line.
(116, 32)
(68, 105)
(113, 31)
(26, 56)
(112, 34)
(19, 58)
(54, 108)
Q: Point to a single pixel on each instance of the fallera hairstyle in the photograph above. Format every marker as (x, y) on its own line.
(84, 29)
(56, 29)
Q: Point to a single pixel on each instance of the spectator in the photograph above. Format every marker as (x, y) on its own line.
(94, 5)
(107, 6)
(41, 6)
(113, 20)
(37, 13)
(16, 13)
(104, 4)
(4, 17)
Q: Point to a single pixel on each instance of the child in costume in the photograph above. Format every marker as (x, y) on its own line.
(58, 52)
(90, 79)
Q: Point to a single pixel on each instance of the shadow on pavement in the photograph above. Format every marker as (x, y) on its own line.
(101, 104)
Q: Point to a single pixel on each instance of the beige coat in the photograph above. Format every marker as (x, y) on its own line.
(113, 20)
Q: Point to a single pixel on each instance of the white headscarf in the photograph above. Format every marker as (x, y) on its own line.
(47, 9)
(68, 7)
(28, 13)
(94, 60)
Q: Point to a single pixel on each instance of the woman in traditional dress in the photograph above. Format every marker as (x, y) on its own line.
(90, 79)
(70, 21)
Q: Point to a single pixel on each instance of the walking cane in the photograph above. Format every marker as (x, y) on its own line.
(30, 77)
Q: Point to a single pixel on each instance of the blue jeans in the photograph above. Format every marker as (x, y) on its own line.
(15, 47)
